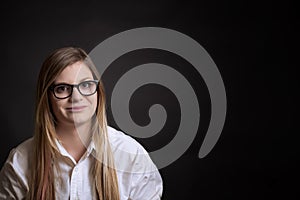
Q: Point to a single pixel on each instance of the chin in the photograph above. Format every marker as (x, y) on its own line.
(80, 119)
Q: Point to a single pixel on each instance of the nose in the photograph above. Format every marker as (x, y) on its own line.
(76, 96)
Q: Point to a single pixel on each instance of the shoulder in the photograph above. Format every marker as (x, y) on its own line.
(19, 157)
(129, 155)
(26, 145)
(120, 140)
(21, 153)
(14, 173)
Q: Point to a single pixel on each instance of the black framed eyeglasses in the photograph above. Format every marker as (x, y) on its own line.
(85, 88)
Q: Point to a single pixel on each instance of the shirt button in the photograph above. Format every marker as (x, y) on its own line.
(76, 169)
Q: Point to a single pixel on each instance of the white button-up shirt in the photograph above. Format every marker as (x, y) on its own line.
(138, 177)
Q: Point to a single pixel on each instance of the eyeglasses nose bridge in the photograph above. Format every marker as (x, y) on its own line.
(78, 90)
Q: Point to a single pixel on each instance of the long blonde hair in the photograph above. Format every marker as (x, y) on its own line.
(41, 184)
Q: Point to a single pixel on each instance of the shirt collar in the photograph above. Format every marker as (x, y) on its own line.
(90, 148)
(64, 152)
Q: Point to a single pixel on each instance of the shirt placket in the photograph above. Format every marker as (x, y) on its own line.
(75, 183)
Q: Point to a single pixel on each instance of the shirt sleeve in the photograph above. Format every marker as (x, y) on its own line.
(12, 185)
(139, 178)
(147, 186)
(146, 180)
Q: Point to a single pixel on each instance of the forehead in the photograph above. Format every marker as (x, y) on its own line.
(74, 73)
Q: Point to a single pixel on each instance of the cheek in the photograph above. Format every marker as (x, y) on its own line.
(55, 105)
(94, 103)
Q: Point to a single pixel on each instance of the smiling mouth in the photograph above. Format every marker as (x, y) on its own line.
(76, 108)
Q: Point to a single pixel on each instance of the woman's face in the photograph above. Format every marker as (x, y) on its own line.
(76, 109)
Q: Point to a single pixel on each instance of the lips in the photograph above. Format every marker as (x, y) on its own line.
(76, 108)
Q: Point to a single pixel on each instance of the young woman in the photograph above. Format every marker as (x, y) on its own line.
(74, 154)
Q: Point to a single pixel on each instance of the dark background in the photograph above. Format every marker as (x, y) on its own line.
(252, 44)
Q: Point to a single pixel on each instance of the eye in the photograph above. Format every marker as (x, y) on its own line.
(62, 88)
(86, 84)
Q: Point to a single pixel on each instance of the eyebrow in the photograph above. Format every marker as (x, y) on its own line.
(84, 79)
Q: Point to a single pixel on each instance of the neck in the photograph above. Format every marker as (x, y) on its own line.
(72, 130)
(75, 139)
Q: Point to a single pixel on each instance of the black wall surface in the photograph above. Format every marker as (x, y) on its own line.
(251, 43)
